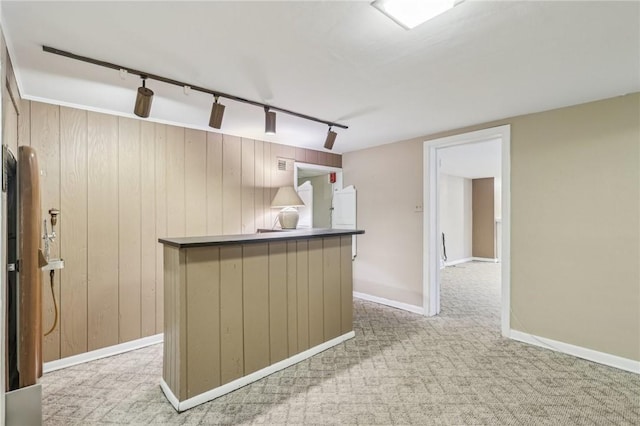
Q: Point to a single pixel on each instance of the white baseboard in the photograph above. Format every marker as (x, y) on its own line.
(485, 259)
(394, 304)
(250, 378)
(577, 351)
(101, 353)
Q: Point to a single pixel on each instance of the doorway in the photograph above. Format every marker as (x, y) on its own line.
(314, 186)
(432, 223)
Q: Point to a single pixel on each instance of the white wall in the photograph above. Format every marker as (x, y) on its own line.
(456, 216)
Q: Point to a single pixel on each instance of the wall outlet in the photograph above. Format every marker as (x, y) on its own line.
(418, 208)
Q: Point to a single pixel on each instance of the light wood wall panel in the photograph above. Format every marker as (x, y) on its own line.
(231, 328)
(231, 185)
(129, 239)
(302, 291)
(316, 293)
(147, 229)
(214, 184)
(45, 139)
(331, 287)
(278, 336)
(258, 181)
(161, 217)
(195, 148)
(102, 217)
(203, 300)
(121, 184)
(176, 217)
(255, 268)
(73, 226)
(248, 187)
(292, 297)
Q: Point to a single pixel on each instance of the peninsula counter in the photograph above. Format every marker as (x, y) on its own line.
(240, 307)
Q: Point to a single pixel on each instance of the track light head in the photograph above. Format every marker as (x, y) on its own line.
(144, 98)
(331, 138)
(217, 112)
(269, 121)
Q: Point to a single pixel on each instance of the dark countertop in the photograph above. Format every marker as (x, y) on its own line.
(221, 240)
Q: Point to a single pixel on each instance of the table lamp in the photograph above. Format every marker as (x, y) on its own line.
(288, 200)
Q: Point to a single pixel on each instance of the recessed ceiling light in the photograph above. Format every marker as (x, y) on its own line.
(411, 13)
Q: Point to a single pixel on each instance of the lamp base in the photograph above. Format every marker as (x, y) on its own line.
(288, 218)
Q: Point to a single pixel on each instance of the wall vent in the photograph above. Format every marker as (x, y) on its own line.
(285, 164)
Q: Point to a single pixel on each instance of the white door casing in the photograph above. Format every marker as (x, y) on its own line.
(431, 240)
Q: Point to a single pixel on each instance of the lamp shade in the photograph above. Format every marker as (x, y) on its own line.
(286, 197)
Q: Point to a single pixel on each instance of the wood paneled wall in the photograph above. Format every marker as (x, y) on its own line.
(121, 184)
(236, 309)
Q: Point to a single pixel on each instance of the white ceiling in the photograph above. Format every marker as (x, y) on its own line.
(340, 61)
(472, 161)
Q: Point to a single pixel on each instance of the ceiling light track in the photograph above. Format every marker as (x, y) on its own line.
(216, 94)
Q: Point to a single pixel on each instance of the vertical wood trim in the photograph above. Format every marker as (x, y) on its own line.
(195, 182)
(176, 218)
(302, 278)
(259, 205)
(73, 225)
(161, 218)
(248, 187)
(45, 139)
(129, 271)
(346, 284)
(148, 228)
(278, 346)
(316, 293)
(231, 185)
(323, 158)
(181, 314)
(255, 273)
(170, 357)
(312, 156)
(292, 298)
(231, 328)
(214, 183)
(102, 220)
(339, 161)
(331, 287)
(24, 124)
(203, 320)
(269, 213)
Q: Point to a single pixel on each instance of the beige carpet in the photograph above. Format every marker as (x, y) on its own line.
(401, 368)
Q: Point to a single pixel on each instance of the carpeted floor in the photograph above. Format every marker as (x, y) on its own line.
(401, 368)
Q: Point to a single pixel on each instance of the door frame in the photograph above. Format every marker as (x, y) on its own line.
(329, 169)
(431, 225)
(321, 168)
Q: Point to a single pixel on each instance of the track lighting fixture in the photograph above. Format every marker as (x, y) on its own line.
(143, 100)
(145, 97)
(331, 138)
(269, 121)
(217, 112)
